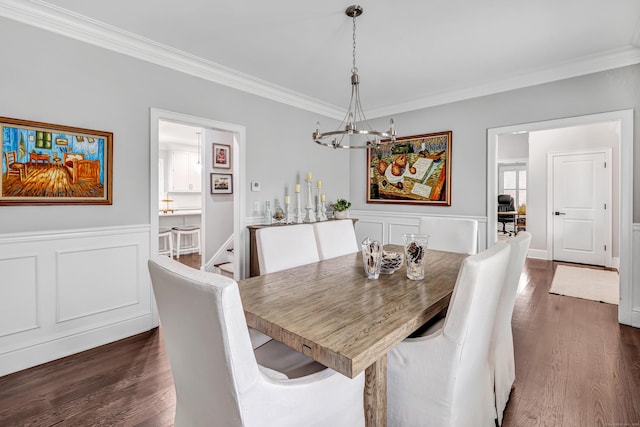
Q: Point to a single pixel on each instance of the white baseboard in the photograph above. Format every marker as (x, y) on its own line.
(47, 351)
(538, 254)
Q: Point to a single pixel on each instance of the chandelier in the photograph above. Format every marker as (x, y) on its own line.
(354, 124)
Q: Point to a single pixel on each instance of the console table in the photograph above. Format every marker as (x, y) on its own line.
(254, 265)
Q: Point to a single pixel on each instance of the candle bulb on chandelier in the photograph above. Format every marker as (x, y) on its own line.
(309, 176)
(297, 188)
(319, 184)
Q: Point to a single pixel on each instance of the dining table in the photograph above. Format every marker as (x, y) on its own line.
(332, 313)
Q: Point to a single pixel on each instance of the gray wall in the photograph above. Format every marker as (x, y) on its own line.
(50, 78)
(469, 120)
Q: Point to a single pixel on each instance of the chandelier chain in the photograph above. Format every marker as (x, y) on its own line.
(354, 69)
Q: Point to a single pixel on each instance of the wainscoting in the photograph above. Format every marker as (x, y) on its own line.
(388, 227)
(67, 291)
(635, 276)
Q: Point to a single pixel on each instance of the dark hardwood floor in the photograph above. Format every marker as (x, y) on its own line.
(575, 366)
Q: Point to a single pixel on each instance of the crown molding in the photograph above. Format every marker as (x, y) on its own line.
(48, 17)
(586, 65)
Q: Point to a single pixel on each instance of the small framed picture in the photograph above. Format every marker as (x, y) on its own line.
(221, 183)
(221, 156)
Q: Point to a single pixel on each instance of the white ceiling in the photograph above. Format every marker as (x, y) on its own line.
(410, 53)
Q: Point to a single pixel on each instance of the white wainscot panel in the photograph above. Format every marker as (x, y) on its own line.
(87, 285)
(635, 276)
(397, 230)
(18, 295)
(62, 292)
(374, 230)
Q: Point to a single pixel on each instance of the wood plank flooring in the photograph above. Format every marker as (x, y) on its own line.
(575, 366)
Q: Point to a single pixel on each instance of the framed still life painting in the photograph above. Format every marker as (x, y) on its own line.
(415, 170)
(48, 164)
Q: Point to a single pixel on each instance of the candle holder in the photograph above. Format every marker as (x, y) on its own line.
(299, 219)
(310, 216)
(287, 214)
(322, 215)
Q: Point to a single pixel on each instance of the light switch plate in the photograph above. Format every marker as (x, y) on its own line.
(255, 186)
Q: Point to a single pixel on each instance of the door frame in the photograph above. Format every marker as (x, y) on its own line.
(238, 170)
(608, 200)
(625, 118)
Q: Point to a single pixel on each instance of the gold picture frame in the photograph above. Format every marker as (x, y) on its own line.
(50, 164)
(415, 170)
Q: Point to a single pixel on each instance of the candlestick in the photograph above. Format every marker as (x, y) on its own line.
(310, 208)
(322, 214)
(287, 214)
(298, 213)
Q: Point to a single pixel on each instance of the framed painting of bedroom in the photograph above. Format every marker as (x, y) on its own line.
(50, 164)
(415, 170)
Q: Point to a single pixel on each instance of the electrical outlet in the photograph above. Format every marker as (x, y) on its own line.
(255, 186)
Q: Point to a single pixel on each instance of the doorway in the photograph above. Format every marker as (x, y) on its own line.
(236, 171)
(624, 120)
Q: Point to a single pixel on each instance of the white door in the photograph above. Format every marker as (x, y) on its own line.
(581, 219)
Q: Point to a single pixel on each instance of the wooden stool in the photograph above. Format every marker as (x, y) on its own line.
(166, 241)
(186, 230)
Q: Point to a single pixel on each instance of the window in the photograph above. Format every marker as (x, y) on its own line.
(512, 180)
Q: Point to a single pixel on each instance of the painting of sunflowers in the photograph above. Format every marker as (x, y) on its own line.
(414, 170)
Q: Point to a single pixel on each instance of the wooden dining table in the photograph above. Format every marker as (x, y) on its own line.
(332, 313)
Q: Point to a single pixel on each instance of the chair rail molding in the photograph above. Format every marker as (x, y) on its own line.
(70, 290)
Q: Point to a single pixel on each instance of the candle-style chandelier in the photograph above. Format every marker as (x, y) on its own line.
(354, 125)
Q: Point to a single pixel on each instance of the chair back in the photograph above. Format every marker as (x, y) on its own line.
(519, 248)
(335, 238)
(502, 356)
(207, 342)
(470, 321)
(10, 157)
(451, 234)
(506, 203)
(280, 248)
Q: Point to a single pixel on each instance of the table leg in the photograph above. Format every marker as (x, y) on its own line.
(375, 393)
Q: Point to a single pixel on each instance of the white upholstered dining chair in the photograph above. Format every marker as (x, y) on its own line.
(280, 248)
(444, 379)
(217, 377)
(335, 238)
(502, 355)
(451, 234)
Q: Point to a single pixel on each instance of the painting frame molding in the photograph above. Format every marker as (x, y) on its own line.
(88, 151)
(221, 188)
(416, 170)
(221, 155)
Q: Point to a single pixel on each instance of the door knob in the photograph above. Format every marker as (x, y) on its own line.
(559, 213)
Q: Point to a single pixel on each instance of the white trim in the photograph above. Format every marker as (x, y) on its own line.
(238, 170)
(538, 254)
(39, 236)
(608, 196)
(356, 212)
(625, 117)
(76, 26)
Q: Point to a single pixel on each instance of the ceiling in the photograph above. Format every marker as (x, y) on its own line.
(410, 53)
